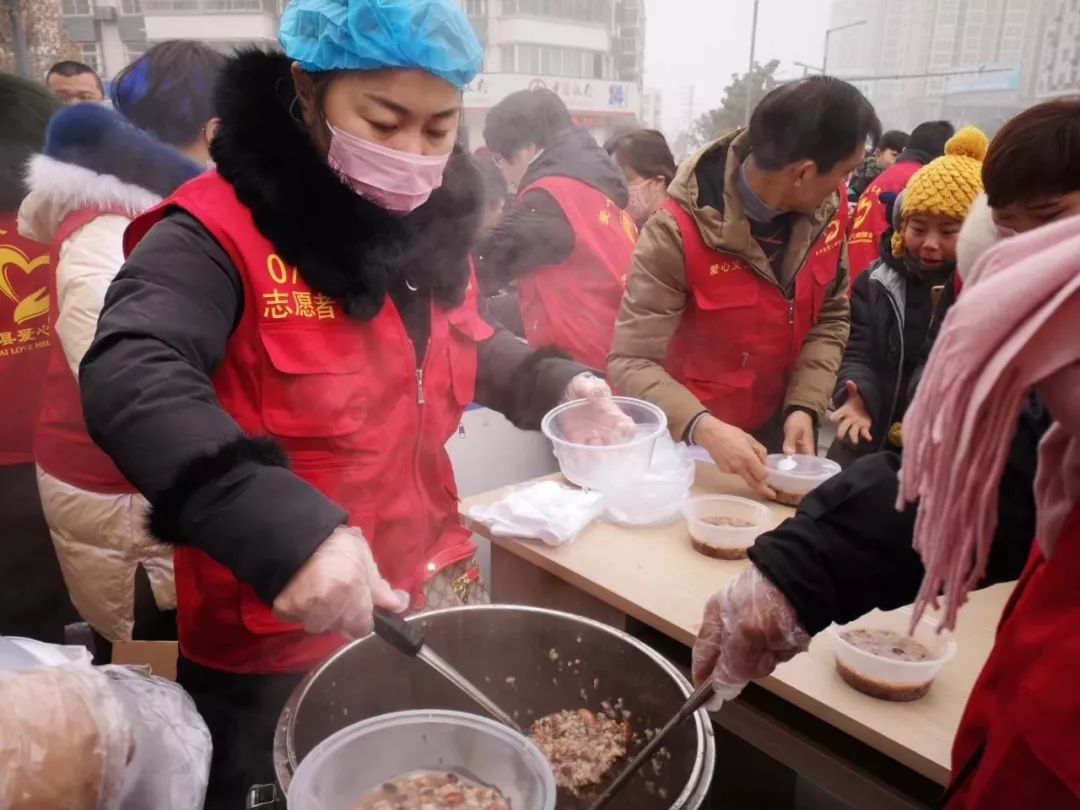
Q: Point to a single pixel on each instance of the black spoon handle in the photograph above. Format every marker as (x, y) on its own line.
(407, 638)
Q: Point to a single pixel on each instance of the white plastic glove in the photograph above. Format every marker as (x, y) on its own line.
(337, 588)
(65, 740)
(748, 630)
(603, 422)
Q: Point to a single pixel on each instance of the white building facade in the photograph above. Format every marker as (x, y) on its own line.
(111, 33)
(970, 61)
(652, 108)
(1059, 67)
(589, 52)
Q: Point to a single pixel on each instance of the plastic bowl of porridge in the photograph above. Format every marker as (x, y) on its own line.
(601, 467)
(386, 755)
(723, 526)
(794, 477)
(876, 655)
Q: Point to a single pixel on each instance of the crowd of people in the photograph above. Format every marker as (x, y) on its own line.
(258, 292)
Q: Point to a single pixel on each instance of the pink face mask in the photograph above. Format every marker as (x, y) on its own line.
(398, 181)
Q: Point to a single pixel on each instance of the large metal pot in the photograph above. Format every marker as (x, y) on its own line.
(532, 662)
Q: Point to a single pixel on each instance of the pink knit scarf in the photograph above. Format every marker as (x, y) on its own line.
(1016, 325)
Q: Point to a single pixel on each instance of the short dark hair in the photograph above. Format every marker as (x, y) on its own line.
(524, 117)
(169, 90)
(21, 135)
(819, 118)
(1035, 154)
(895, 140)
(931, 137)
(646, 151)
(69, 67)
(496, 189)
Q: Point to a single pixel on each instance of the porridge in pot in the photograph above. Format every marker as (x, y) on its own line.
(432, 790)
(581, 746)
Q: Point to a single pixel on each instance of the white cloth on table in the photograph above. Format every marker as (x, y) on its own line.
(547, 511)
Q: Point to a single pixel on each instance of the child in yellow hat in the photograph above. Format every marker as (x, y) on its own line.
(898, 305)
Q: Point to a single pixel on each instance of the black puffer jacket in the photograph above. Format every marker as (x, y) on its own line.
(535, 232)
(169, 315)
(894, 320)
(848, 551)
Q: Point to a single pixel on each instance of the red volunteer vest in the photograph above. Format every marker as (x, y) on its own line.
(24, 339)
(358, 420)
(740, 337)
(870, 222)
(62, 446)
(573, 305)
(1017, 745)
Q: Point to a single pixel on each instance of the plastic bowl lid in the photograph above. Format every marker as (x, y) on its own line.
(804, 465)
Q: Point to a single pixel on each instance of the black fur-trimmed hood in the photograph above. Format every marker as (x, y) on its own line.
(344, 245)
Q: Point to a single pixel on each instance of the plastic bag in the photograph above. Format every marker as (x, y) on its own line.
(171, 764)
(656, 499)
(77, 737)
(65, 740)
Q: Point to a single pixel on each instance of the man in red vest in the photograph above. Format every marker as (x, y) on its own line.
(566, 241)
(871, 218)
(736, 312)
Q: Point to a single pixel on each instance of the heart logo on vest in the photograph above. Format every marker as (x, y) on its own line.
(17, 284)
(862, 212)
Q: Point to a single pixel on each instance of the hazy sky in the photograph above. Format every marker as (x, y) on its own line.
(702, 42)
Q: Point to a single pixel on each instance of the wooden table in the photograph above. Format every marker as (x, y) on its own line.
(655, 577)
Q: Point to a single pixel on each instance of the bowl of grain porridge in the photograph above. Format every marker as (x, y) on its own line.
(878, 656)
(792, 478)
(724, 527)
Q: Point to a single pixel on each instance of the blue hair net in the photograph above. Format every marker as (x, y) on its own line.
(431, 35)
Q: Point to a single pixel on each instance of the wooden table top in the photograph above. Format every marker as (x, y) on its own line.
(655, 576)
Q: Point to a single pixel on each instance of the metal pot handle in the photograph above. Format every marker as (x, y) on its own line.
(264, 797)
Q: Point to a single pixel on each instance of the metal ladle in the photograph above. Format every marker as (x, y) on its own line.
(408, 639)
(696, 700)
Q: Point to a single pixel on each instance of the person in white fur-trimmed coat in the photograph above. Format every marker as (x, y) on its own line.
(98, 171)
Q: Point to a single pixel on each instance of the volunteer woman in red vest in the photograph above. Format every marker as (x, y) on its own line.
(736, 313)
(566, 241)
(290, 344)
(35, 601)
(646, 160)
(96, 173)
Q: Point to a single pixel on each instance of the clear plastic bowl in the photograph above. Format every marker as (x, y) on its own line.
(724, 542)
(648, 503)
(888, 678)
(793, 485)
(346, 766)
(605, 467)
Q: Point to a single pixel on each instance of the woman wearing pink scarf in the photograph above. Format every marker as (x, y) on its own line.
(1017, 743)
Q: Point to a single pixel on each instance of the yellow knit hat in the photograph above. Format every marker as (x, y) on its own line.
(946, 186)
